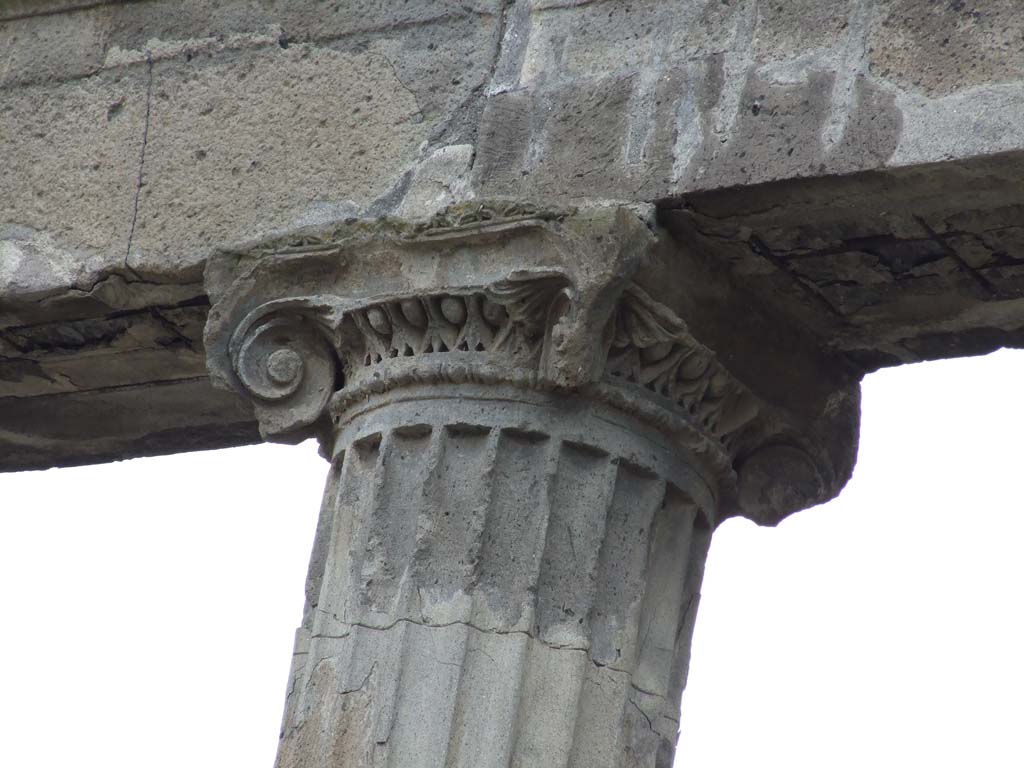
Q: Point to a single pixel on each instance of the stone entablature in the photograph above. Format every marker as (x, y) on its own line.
(871, 199)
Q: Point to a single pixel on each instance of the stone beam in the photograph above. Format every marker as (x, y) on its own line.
(535, 418)
(108, 371)
(879, 268)
(854, 164)
(885, 268)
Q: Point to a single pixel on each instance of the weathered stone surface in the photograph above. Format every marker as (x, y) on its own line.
(71, 162)
(480, 275)
(56, 46)
(535, 414)
(97, 425)
(949, 47)
(495, 592)
(762, 92)
(530, 448)
(194, 129)
(639, 102)
(273, 154)
(885, 268)
(134, 147)
(140, 137)
(131, 348)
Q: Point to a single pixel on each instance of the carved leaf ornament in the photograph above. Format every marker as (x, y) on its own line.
(651, 346)
(507, 320)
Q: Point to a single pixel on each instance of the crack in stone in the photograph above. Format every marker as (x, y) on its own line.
(644, 715)
(401, 82)
(104, 338)
(809, 288)
(470, 625)
(130, 278)
(396, 622)
(363, 684)
(256, 38)
(177, 336)
(197, 301)
(979, 278)
(142, 158)
(632, 684)
(118, 387)
(61, 10)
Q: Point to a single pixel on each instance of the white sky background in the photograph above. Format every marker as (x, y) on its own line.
(147, 608)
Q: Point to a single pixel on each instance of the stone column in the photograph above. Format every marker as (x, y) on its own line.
(529, 452)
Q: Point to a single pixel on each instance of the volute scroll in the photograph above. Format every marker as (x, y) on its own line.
(283, 359)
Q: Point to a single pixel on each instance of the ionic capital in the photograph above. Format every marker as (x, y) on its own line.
(594, 303)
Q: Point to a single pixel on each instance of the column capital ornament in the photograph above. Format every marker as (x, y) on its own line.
(588, 304)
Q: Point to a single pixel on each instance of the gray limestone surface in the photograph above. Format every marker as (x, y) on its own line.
(280, 114)
(506, 583)
(558, 286)
(140, 137)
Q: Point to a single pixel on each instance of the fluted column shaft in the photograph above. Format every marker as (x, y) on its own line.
(500, 579)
